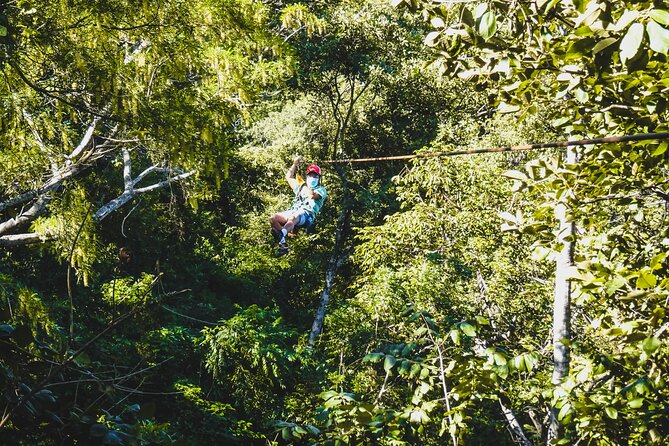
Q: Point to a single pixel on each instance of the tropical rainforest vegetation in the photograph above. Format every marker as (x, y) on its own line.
(514, 297)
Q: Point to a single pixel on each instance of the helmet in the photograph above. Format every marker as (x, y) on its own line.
(315, 169)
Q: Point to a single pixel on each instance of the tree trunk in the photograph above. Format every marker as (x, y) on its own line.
(336, 260)
(514, 426)
(562, 303)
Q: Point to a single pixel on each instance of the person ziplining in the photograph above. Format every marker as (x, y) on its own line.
(307, 202)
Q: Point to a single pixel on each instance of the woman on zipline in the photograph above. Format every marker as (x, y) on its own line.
(308, 200)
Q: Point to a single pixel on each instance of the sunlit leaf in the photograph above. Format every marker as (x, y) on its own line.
(631, 43)
(603, 44)
(488, 25)
(646, 280)
(660, 16)
(650, 345)
(611, 412)
(658, 37)
(389, 363)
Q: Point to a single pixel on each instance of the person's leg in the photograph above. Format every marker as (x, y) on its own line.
(278, 220)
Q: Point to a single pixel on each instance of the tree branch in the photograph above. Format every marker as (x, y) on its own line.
(25, 217)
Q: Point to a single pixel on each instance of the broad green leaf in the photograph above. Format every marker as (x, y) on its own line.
(6, 330)
(468, 329)
(455, 336)
(564, 411)
(581, 95)
(405, 366)
(656, 261)
(430, 39)
(389, 363)
(373, 357)
(629, 46)
(625, 19)
(611, 412)
(650, 345)
(529, 362)
(437, 22)
(580, 48)
(488, 25)
(480, 9)
(660, 16)
(3, 31)
(658, 37)
(615, 284)
(603, 44)
(660, 149)
(646, 280)
(635, 403)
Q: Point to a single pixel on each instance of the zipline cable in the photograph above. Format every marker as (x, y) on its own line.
(547, 145)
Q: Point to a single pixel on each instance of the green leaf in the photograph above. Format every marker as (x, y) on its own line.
(3, 31)
(468, 329)
(650, 345)
(646, 280)
(389, 363)
(615, 284)
(611, 412)
(656, 261)
(430, 39)
(6, 330)
(488, 25)
(529, 362)
(564, 411)
(635, 403)
(455, 336)
(625, 19)
(660, 16)
(603, 44)
(629, 46)
(480, 9)
(373, 357)
(660, 149)
(658, 38)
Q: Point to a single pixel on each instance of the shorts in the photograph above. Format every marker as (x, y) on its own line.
(304, 218)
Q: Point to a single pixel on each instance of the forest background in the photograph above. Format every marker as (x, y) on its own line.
(497, 298)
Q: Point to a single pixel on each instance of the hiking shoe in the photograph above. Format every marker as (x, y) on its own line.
(283, 249)
(277, 235)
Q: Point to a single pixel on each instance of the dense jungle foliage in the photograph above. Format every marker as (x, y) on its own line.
(504, 298)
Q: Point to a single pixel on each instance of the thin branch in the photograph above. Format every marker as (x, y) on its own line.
(165, 183)
(442, 376)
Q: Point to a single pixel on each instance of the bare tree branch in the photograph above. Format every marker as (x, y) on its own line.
(25, 217)
(129, 190)
(25, 239)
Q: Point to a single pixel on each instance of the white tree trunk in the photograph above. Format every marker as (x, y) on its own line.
(562, 303)
(336, 260)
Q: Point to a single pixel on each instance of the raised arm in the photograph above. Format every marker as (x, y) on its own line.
(290, 175)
